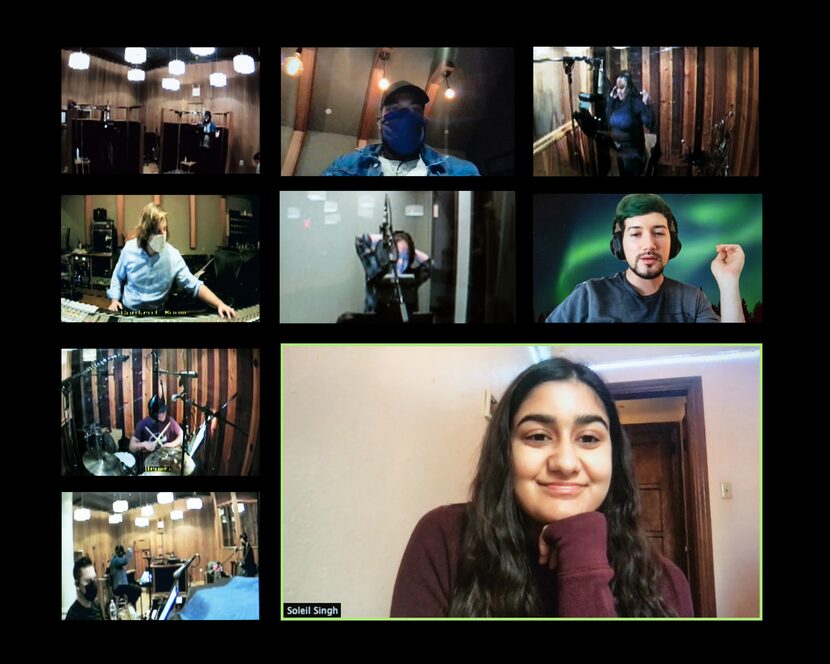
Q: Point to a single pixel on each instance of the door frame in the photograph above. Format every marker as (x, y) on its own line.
(696, 499)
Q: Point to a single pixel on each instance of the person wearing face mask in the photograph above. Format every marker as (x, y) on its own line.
(85, 606)
(645, 236)
(402, 150)
(412, 264)
(149, 266)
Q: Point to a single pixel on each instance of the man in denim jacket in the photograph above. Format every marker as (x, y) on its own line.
(402, 150)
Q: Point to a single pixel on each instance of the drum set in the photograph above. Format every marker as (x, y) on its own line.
(102, 457)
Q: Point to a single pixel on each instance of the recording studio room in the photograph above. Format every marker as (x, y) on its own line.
(206, 269)
(160, 412)
(397, 256)
(178, 110)
(331, 100)
(645, 111)
(160, 556)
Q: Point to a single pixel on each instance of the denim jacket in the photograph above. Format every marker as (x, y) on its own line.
(364, 161)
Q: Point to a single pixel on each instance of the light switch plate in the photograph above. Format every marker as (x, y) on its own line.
(726, 490)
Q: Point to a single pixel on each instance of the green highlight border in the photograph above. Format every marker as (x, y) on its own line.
(758, 345)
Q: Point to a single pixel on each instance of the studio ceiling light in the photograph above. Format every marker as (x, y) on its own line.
(202, 50)
(170, 83)
(135, 74)
(135, 55)
(82, 514)
(218, 80)
(79, 60)
(164, 498)
(449, 93)
(116, 518)
(383, 83)
(243, 64)
(176, 67)
(176, 515)
(194, 503)
(120, 506)
(142, 521)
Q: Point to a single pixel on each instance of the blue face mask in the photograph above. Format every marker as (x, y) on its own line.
(403, 132)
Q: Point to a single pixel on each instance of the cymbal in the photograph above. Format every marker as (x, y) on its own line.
(108, 464)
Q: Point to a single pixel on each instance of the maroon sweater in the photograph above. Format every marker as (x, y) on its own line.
(577, 587)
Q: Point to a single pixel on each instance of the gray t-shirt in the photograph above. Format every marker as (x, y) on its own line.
(614, 300)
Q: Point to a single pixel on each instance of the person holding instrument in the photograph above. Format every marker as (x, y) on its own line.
(148, 266)
(158, 430)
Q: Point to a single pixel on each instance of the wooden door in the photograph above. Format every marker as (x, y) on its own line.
(657, 456)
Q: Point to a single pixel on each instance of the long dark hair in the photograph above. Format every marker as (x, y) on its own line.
(495, 577)
(631, 89)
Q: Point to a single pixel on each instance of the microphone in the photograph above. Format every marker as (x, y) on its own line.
(194, 374)
(177, 397)
(184, 566)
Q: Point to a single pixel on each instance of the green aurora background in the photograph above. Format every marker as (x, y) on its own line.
(571, 235)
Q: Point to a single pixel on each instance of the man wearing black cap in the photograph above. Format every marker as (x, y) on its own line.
(402, 150)
(156, 430)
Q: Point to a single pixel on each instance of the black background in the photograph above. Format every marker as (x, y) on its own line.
(418, 25)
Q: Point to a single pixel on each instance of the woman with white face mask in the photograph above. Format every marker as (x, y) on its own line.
(148, 266)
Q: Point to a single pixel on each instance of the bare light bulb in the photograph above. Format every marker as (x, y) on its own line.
(450, 93)
(383, 84)
(293, 66)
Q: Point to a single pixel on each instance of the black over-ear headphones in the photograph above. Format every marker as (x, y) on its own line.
(617, 241)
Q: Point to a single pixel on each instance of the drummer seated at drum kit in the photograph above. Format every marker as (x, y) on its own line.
(155, 432)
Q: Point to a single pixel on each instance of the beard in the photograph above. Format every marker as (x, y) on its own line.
(645, 272)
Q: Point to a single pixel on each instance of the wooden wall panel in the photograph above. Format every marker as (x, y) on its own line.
(106, 82)
(103, 83)
(195, 533)
(240, 96)
(691, 89)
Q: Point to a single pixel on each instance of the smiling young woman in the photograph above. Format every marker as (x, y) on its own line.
(552, 528)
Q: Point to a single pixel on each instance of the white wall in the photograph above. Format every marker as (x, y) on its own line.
(375, 437)
(731, 402)
(67, 553)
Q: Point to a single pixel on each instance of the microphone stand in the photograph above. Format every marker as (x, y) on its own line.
(178, 575)
(177, 170)
(210, 415)
(568, 63)
(66, 391)
(392, 254)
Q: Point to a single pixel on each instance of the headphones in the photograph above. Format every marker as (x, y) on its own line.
(154, 405)
(617, 240)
